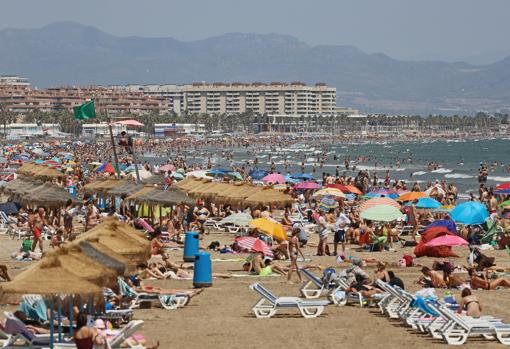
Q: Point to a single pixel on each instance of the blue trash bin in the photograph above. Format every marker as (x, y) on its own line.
(190, 246)
(202, 273)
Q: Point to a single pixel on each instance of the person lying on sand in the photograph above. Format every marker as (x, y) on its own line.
(484, 282)
(470, 304)
(136, 282)
(431, 279)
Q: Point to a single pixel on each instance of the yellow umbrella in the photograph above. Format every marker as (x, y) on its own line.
(330, 191)
(270, 228)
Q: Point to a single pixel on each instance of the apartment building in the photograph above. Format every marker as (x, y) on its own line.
(295, 98)
(13, 80)
(22, 99)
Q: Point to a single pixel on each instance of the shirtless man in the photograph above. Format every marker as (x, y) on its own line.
(3, 273)
(36, 223)
(294, 251)
(493, 204)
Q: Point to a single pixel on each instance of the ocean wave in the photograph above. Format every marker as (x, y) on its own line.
(458, 176)
(419, 173)
(442, 170)
(499, 179)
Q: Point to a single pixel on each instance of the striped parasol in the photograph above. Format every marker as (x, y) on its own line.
(327, 203)
(253, 244)
(378, 201)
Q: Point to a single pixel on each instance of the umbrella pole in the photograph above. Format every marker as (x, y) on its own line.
(160, 217)
(59, 319)
(71, 303)
(52, 325)
(115, 157)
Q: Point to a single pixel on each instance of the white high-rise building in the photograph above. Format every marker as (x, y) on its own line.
(274, 98)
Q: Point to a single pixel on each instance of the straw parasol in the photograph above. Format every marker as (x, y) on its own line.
(146, 189)
(269, 197)
(170, 197)
(47, 195)
(120, 238)
(188, 183)
(125, 188)
(47, 277)
(215, 189)
(200, 188)
(242, 193)
(39, 171)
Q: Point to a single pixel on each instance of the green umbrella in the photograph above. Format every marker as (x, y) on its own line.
(505, 203)
(384, 213)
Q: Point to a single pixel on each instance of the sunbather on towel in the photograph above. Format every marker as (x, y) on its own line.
(23, 318)
(136, 282)
(484, 282)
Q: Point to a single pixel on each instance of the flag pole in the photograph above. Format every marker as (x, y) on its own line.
(115, 158)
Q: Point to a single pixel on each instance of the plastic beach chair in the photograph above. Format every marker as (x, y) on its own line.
(269, 304)
(18, 331)
(126, 332)
(167, 301)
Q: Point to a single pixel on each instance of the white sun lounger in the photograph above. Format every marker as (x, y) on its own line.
(170, 302)
(126, 332)
(269, 304)
(459, 328)
(314, 287)
(30, 340)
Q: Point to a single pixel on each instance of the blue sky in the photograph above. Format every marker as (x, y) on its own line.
(473, 30)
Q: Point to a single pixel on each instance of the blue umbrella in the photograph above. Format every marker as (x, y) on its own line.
(177, 175)
(9, 207)
(502, 191)
(447, 223)
(302, 176)
(257, 174)
(428, 203)
(380, 195)
(289, 179)
(39, 161)
(470, 213)
(20, 157)
(217, 172)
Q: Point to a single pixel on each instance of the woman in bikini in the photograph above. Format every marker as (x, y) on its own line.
(484, 283)
(470, 304)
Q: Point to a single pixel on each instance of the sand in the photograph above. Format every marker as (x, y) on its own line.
(221, 316)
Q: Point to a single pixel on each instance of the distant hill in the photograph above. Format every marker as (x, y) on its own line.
(74, 54)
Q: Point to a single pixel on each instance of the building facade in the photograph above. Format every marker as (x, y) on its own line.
(22, 131)
(23, 99)
(280, 98)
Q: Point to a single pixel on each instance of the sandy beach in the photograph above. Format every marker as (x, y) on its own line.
(221, 316)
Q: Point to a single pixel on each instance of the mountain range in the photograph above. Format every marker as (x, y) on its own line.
(74, 54)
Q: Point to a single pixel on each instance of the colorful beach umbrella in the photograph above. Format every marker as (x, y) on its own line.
(253, 244)
(412, 195)
(503, 186)
(268, 227)
(377, 202)
(382, 213)
(327, 203)
(505, 203)
(274, 178)
(470, 213)
(106, 167)
(447, 240)
(306, 185)
(329, 192)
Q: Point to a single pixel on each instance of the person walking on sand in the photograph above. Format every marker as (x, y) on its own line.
(294, 252)
(37, 223)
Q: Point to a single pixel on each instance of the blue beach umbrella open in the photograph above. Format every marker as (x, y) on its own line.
(257, 174)
(428, 203)
(302, 176)
(470, 213)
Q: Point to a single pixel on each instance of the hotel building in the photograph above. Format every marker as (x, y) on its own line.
(295, 98)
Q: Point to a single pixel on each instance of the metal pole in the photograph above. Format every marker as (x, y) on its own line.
(59, 319)
(115, 158)
(52, 325)
(135, 161)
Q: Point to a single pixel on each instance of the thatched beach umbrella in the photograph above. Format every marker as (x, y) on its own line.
(241, 193)
(126, 188)
(269, 197)
(170, 197)
(188, 183)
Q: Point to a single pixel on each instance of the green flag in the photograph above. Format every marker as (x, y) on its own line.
(85, 111)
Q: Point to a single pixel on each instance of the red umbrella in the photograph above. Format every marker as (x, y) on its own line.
(447, 240)
(253, 244)
(503, 186)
